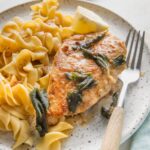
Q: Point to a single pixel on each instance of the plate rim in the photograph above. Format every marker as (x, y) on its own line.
(15, 3)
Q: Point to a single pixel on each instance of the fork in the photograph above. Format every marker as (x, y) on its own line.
(111, 140)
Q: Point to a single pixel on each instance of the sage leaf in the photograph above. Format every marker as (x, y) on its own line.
(101, 60)
(74, 99)
(120, 60)
(87, 83)
(76, 76)
(40, 102)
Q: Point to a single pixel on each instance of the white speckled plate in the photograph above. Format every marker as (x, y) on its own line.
(89, 136)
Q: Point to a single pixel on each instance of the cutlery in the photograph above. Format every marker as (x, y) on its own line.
(131, 74)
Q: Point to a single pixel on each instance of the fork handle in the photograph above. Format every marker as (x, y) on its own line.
(111, 140)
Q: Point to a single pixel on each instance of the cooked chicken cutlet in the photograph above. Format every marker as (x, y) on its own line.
(85, 69)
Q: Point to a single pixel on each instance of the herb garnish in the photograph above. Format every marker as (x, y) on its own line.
(85, 84)
(119, 60)
(107, 111)
(100, 60)
(40, 103)
(91, 42)
(84, 81)
(76, 76)
(74, 99)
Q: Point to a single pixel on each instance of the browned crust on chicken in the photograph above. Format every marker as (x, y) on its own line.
(68, 60)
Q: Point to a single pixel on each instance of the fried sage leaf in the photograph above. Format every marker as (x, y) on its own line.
(36, 103)
(120, 60)
(87, 83)
(101, 60)
(74, 99)
(89, 43)
(40, 102)
(106, 111)
(87, 53)
(76, 76)
(42, 95)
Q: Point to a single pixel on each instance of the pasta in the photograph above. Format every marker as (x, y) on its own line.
(51, 139)
(61, 127)
(21, 94)
(19, 127)
(17, 95)
(26, 49)
(24, 42)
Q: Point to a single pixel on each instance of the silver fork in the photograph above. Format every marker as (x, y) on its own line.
(111, 140)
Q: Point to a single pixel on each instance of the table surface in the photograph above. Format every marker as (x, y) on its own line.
(137, 12)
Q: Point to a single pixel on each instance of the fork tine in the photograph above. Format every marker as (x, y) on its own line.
(135, 51)
(141, 52)
(130, 50)
(127, 39)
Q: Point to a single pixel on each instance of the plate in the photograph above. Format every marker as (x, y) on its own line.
(137, 103)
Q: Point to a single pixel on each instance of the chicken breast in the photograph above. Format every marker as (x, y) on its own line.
(85, 69)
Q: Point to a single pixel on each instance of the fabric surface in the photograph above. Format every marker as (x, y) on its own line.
(141, 139)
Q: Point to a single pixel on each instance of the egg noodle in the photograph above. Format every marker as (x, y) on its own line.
(25, 51)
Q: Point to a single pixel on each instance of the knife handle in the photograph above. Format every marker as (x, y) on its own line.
(111, 140)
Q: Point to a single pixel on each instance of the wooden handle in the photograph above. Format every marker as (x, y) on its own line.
(111, 140)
